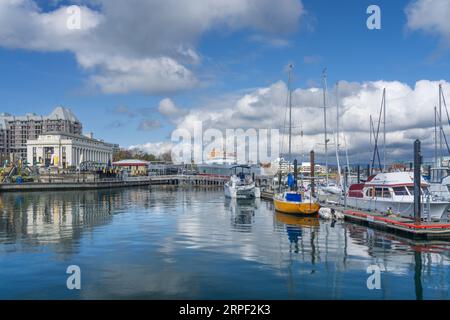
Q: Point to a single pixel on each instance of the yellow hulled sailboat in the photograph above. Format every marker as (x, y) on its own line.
(293, 201)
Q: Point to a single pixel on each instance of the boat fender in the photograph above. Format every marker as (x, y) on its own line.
(325, 213)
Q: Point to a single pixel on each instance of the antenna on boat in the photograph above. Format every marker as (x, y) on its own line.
(325, 122)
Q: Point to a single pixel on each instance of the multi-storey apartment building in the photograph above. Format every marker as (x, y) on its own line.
(16, 130)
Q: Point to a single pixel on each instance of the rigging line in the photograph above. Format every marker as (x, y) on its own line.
(375, 150)
(448, 118)
(445, 137)
(376, 137)
(445, 105)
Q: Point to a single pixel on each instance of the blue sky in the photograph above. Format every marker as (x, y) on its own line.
(233, 61)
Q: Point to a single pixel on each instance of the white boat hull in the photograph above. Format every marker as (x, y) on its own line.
(240, 192)
(332, 190)
(437, 210)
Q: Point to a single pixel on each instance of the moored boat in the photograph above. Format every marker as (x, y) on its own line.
(241, 184)
(294, 202)
(393, 193)
(439, 184)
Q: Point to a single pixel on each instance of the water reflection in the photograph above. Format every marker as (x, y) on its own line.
(194, 243)
(242, 212)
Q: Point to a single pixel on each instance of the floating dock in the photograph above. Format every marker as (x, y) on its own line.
(405, 226)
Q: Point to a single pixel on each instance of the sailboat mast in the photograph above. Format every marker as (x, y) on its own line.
(337, 134)
(290, 111)
(435, 138)
(384, 130)
(302, 145)
(370, 139)
(440, 125)
(346, 154)
(337, 114)
(325, 122)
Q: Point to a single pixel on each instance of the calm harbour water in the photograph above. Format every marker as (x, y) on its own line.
(194, 244)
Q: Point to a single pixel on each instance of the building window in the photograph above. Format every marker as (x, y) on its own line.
(34, 156)
(63, 155)
(48, 152)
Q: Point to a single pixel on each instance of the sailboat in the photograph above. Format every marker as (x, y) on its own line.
(241, 184)
(331, 187)
(440, 174)
(293, 200)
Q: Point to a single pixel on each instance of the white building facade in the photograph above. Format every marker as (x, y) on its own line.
(67, 150)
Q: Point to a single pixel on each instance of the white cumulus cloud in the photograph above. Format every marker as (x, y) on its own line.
(431, 16)
(168, 108)
(409, 116)
(140, 45)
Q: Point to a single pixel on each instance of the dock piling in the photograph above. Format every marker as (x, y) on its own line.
(417, 180)
(295, 174)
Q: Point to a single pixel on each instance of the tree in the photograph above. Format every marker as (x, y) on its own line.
(166, 156)
(133, 154)
(121, 155)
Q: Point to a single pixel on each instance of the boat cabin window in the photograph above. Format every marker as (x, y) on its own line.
(369, 193)
(423, 190)
(378, 192)
(400, 191)
(386, 193)
(411, 190)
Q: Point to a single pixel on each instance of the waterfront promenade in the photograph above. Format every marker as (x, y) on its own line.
(58, 183)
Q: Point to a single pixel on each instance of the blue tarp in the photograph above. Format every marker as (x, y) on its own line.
(295, 197)
(291, 180)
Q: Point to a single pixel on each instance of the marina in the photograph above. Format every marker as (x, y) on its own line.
(225, 155)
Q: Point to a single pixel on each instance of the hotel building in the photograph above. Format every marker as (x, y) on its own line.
(15, 131)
